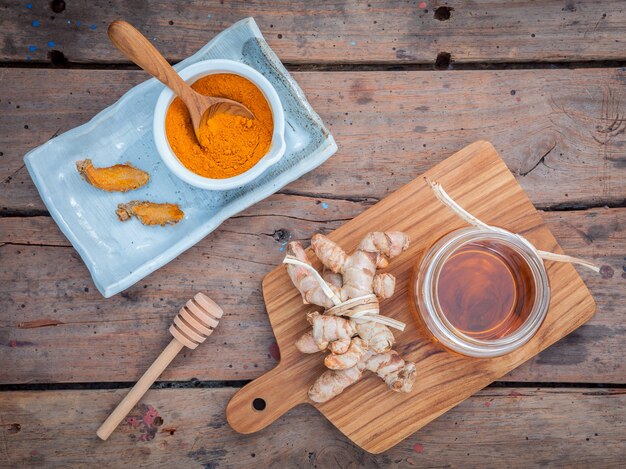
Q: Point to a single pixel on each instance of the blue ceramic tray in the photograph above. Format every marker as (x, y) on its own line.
(120, 254)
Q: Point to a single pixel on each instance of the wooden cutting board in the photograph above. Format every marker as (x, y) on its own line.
(372, 416)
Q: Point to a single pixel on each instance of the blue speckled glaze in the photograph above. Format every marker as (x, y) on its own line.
(120, 254)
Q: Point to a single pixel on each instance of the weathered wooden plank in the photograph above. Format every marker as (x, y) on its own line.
(379, 31)
(525, 427)
(549, 125)
(116, 339)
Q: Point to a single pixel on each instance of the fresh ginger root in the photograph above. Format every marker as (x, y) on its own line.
(306, 284)
(397, 374)
(356, 350)
(327, 329)
(355, 345)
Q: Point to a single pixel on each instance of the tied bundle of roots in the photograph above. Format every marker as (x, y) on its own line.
(353, 345)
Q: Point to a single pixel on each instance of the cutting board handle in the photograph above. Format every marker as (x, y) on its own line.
(265, 399)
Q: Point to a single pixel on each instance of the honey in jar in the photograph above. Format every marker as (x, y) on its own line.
(481, 293)
(485, 290)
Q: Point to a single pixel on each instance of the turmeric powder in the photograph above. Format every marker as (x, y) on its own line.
(230, 145)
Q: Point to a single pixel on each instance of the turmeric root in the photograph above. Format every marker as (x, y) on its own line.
(334, 281)
(306, 344)
(359, 268)
(359, 277)
(339, 346)
(355, 344)
(378, 336)
(386, 245)
(150, 213)
(117, 178)
(306, 284)
(331, 383)
(327, 329)
(357, 348)
(384, 286)
(331, 255)
(397, 374)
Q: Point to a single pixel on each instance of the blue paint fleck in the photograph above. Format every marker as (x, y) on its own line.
(69, 22)
(28, 57)
(29, 6)
(51, 44)
(209, 16)
(281, 249)
(93, 26)
(35, 23)
(353, 43)
(32, 48)
(154, 38)
(324, 205)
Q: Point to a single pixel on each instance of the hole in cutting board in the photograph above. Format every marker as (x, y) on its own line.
(259, 404)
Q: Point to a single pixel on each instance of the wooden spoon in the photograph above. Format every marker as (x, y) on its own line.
(137, 48)
(192, 325)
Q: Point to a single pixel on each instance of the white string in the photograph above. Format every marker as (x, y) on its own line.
(374, 316)
(360, 316)
(448, 201)
(325, 288)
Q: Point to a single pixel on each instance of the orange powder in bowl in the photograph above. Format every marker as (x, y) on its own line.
(231, 145)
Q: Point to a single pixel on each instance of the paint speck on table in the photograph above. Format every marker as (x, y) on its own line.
(274, 351)
(78, 23)
(32, 48)
(353, 43)
(147, 420)
(324, 205)
(19, 343)
(92, 27)
(418, 448)
(209, 16)
(515, 394)
(35, 23)
(606, 272)
(51, 44)
(422, 5)
(488, 404)
(29, 6)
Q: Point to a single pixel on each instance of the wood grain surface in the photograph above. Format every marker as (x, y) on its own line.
(548, 125)
(52, 300)
(521, 427)
(479, 181)
(560, 131)
(305, 31)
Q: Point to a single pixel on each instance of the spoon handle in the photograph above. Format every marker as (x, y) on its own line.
(137, 48)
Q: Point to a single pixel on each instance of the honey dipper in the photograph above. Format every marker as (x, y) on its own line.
(192, 325)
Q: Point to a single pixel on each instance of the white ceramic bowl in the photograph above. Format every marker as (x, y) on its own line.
(190, 75)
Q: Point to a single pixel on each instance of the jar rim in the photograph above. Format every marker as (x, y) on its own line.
(432, 313)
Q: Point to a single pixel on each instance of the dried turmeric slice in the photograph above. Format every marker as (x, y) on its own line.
(118, 178)
(150, 213)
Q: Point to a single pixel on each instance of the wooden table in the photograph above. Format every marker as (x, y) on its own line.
(401, 85)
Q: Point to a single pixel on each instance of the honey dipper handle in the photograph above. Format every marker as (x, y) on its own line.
(139, 389)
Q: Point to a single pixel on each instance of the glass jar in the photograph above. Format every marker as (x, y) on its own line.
(481, 292)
